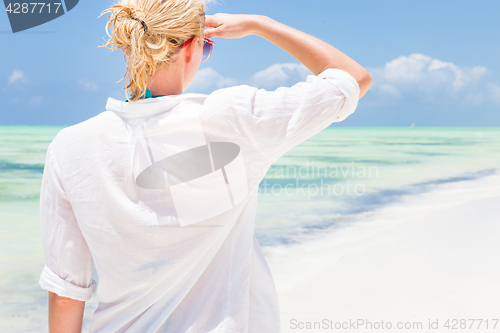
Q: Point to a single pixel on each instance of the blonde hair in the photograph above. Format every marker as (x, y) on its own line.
(151, 33)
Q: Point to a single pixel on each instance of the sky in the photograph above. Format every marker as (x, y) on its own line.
(434, 63)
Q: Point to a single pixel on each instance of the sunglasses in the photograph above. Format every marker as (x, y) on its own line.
(207, 48)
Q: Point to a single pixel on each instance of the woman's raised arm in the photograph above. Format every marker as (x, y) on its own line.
(312, 52)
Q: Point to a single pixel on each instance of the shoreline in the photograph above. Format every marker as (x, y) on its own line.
(431, 256)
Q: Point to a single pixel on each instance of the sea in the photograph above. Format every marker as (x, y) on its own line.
(338, 176)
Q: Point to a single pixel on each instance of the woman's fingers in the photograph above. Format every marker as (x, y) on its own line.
(213, 32)
(227, 25)
(214, 24)
(211, 21)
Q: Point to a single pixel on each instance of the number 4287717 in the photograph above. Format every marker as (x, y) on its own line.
(33, 8)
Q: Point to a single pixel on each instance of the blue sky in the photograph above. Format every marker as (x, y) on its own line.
(434, 63)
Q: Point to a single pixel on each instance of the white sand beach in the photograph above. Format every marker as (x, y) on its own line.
(431, 256)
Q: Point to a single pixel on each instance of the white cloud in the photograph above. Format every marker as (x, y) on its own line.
(17, 76)
(387, 89)
(431, 78)
(88, 85)
(416, 76)
(208, 79)
(280, 75)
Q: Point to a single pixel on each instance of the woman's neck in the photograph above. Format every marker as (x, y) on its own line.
(166, 81)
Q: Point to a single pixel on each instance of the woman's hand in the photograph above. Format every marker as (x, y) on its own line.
(229, 25)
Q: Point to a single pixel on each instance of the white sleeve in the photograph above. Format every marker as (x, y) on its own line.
(276, 121)
(68, 262)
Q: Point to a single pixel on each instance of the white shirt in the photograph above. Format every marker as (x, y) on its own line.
(161, 194)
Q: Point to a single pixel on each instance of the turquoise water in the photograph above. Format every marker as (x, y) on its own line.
(366, 168)
(360, 169)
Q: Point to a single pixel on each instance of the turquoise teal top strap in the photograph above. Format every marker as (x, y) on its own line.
(148, 94)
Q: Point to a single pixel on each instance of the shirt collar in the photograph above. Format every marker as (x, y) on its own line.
(150, 106)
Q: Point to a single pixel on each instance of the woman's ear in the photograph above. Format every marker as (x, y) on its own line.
(124, 52)
(191, 49)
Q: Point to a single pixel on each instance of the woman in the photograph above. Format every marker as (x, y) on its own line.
(160, 191)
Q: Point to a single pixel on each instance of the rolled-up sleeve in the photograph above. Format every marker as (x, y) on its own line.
(68, 261)
(276, 121)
